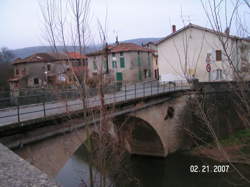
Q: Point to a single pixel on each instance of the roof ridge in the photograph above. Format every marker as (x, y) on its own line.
(191, 25)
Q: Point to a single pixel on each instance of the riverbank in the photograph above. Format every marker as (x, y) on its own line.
(235, 148)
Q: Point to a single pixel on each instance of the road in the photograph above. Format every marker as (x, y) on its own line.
(34, 111)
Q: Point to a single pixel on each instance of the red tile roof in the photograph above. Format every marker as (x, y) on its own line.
(38, 57)
(122, 47)
(49, 57)
(75, 55)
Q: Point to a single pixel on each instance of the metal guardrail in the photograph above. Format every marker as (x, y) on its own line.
(21, 113)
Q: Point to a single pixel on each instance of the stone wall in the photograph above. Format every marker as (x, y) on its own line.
(14, 171)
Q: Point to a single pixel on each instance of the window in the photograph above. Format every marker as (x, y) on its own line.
(219, 75)
(114, 64)
(149, 59)
(48, 67)
(121, 54)
(119, 76)
(139, 75)
(36, 81)
(157, 74)
(16, 85)
(17, 71)
(218, 55)
(24, 71)
(122, 62)
(145, 73)
(105, 66)
(113, 54)
(138, 59)
(94, 64)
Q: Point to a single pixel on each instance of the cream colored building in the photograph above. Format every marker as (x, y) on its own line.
(127, 62)
(193, 50)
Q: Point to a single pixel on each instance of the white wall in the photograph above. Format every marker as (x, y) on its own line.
(186, 52)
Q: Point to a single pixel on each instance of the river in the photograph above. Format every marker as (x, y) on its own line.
(177, 170)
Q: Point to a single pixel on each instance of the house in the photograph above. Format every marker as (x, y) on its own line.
(196, 52)
(153, 46)
(43, 70)
(127, 62)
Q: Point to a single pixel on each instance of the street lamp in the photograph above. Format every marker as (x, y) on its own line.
(46, 81)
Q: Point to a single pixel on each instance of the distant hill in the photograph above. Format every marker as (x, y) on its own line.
(25, 52)
(140, 41)
(28, 51)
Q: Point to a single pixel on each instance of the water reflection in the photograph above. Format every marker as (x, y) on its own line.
(173, 171)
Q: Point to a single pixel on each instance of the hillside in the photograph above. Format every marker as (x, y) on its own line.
(24, 52)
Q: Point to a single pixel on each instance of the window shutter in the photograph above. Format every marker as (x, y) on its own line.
(122, 62)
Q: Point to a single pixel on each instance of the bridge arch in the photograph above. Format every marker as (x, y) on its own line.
(139, 136)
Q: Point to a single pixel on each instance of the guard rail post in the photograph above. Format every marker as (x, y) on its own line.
(135, 90)
(143, 89)
(44, 110)
(18, 110)
(125, 91)
(151, 88)
(158, 88)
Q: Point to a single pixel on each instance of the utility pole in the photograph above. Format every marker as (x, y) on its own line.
(107, 58)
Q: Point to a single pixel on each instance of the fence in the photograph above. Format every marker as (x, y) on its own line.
(69, 101)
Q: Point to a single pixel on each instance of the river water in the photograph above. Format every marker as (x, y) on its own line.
(173, 171)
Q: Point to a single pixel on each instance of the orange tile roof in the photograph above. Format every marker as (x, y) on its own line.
(124, 47)
(75, 55)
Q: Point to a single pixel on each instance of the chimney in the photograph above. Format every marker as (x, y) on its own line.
(116, 40)
(227, 31)
(173, 28)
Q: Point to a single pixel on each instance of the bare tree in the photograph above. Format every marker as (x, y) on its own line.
(103, 147)
(223, 19)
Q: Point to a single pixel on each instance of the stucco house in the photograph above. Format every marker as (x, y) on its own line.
(43, 70)
(196, 52)
(127, 62)
(153, 46)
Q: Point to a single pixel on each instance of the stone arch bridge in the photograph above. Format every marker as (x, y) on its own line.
(148, 125)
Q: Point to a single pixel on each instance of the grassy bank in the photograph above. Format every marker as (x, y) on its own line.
(235, 148)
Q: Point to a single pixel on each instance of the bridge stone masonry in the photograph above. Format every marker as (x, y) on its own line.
(153, 131)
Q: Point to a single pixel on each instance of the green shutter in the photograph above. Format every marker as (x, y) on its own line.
(138, 60)
(149, 60)
(95, 66)
(119, 76)
(139, 75)
(105, 67)
(122, 62)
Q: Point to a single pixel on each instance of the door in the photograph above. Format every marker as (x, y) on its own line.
(119, 76)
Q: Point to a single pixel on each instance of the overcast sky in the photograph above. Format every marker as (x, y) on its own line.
(22, 25)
